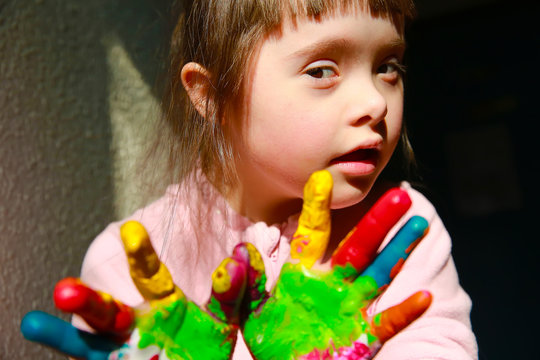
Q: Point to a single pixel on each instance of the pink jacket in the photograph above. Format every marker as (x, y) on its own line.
(443, 332)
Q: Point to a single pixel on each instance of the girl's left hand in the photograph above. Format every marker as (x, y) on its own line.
(314, 313)
(167, 326)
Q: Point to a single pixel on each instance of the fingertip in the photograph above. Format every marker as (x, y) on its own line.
(398, 196)
(70, 295)
(418, 226)
(420, 301)
(228, 281)
(248, 254)
(392, 205)
(142, 258)
(34, 324)
(133, 235)
(318, 189)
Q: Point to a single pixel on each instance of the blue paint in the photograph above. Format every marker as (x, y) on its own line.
(49, 330)
(383, 264)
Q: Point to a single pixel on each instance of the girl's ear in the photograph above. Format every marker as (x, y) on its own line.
(196, 81)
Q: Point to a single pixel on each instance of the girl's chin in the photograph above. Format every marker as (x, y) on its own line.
(341, 200)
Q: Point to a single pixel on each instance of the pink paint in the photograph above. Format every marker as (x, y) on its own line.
(357, 351)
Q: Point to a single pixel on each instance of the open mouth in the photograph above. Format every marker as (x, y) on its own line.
(357, 163)
(360, 155)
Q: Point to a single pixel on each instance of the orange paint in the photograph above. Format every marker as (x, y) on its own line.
(397, 268)
(396, 318)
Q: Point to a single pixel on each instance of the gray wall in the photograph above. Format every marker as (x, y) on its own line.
(76, 83)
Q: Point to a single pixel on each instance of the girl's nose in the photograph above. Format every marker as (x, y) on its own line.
(368, 105)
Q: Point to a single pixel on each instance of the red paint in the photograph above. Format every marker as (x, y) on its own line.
(361, 244)
(101, 313)
(236, 271)
(254, 276)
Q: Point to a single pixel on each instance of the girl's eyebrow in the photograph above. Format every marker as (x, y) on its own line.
(326, 45)
(322, 46)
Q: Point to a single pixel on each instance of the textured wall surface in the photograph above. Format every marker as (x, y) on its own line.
(73, 92)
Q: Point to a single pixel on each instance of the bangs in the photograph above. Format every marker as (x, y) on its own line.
(397, 11)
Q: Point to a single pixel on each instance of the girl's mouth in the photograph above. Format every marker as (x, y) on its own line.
(358, 162)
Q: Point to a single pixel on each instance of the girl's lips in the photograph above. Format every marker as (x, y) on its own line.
(358, 162)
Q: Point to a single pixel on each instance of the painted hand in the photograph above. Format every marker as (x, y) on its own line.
(322, 314)
(167, 326)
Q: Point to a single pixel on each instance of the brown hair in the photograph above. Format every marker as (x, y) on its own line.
(221, 35)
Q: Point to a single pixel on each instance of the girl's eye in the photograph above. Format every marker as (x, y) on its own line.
(391, 71)
(321, 72)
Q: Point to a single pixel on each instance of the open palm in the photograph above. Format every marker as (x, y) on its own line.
(322, 314)
(167, 326)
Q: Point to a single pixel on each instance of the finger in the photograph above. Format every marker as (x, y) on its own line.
(150, 275)
(99, 310)
(256, 275)
(60, 335)
(228, 287)
(360, 245)
(393, 320)
(310, 240)
(239, 283)
(388, 263)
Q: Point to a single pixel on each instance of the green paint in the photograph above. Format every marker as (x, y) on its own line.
(197, 336)
(377, 319)
(260, 284)
(215, 308)
(346, 272)
(310, 310)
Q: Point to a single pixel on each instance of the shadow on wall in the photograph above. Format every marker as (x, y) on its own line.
(471, 109)
(58, 170)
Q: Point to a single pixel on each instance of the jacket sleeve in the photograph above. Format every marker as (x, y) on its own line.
(444, 331)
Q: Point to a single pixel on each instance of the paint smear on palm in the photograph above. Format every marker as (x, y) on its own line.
(309, 312)
(313, 233)
(197, 336)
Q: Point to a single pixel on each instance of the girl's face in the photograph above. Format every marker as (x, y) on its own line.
(322, 94)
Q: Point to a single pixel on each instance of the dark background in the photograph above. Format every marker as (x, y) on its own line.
(472, 113)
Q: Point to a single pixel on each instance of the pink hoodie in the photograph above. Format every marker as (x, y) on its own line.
(443, 332)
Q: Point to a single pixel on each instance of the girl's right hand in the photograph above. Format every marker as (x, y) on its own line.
(316, 313)
(167, 326)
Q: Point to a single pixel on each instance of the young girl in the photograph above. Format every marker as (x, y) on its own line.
(261, 94)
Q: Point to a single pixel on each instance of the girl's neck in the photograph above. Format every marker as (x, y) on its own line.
(259, 206)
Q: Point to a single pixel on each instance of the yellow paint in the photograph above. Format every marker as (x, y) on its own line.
(221, 280)
(313, 233)
(150, 275)
(106, 298)
(255, 259)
